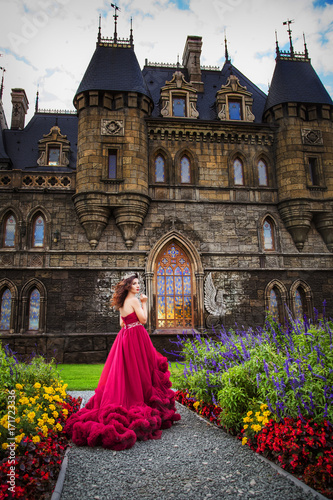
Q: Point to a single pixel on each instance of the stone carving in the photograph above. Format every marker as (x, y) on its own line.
(233, 90)
(310, 136)
(249, 115)
(187, 91)
(222, 114)
(214, 302)
(54, 139)
(112, 127)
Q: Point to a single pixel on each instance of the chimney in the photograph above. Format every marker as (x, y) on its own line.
(20, 107)
(191, 61)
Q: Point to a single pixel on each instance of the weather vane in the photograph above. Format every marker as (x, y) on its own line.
(288, 22)
(115, 7)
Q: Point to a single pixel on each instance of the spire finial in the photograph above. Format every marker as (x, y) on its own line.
(37, 99)
(115, 17)
(2, 80)
(226, 55)
(99, 36)
(178, 61)
(306, 53)
(277, 45)
(131, 32)
(288, 22)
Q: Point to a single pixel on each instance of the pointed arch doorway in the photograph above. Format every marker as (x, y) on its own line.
(174, 289)
(177, 300)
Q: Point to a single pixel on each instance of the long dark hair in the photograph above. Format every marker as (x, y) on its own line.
(121, 291)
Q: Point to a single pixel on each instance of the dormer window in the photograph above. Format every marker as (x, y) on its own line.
(235, 110)
(178, 106)
(179, 98)
(53, 149)
(53, 155)
(234, 102)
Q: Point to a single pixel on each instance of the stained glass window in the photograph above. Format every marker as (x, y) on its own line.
(10, 231)
(159, 169)
(54, 156)
(268, 235)
(174, 289)
(185, 171)
(112, 164)
(39, 230)
(178, 106)
(238, 173)
(34, 309)
(262, 173)
(6, 309)
(273, 305)
(235, 110)
(298, 305)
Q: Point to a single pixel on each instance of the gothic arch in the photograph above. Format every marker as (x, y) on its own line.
(160, 150)
(248, 181)
(283, 297)
(275, 226)
(262, 155)
(197, 269)
(20, 227)
(6, 283)
(30, 223)
(308, 297)
(24, 300)
(193, 165)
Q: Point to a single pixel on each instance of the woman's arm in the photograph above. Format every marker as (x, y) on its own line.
(141, 312)
(121, 321)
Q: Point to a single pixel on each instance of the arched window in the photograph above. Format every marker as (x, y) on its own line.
(238, 173)
(174, 289)
(268, 235)
(299, 304)
(9, 231)
(6, 309)
(159, 169)
(34, 309)
(185, 170)
(262, 173)
(275, 304)
(38, 232)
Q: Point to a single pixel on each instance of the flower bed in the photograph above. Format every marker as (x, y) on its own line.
(34, 407)
(272, 388)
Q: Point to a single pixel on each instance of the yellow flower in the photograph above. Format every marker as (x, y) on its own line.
(52, 407)
(19, 386)
(17, 420)
(266, 413)
(31, 415)
(40, 422)
(260, 419)
(51, 421)
(37, 385)
(246, 419)
(36, 439)
(55, 414)
(249, 413)
(65, 411)
(263, 406)
(45, 416)
(244, 440)
(4, 446)
(59, 427)
(45, 430)
(19, 438)
(245, 426)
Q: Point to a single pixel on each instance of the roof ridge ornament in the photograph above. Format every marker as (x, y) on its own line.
(288, 22)
(291, 55)
(115, 17)
(226, 54)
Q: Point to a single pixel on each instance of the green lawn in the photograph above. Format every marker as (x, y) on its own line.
(86, 377)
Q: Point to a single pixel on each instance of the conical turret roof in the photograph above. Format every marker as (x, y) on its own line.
(296, 81)
(114, 68)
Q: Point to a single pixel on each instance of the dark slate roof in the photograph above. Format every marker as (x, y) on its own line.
(22, 145)
(114, 69)
(296, 81)
(3, 153)
(156, 77)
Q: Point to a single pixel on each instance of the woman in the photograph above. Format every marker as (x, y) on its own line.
(133, 399)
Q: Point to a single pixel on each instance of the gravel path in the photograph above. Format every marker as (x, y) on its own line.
(192, 460)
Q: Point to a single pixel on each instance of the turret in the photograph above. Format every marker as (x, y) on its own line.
(112, 165)
(301, 107)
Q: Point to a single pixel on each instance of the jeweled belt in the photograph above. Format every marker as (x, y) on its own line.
(137, 323)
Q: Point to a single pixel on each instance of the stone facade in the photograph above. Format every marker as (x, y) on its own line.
(98, 227)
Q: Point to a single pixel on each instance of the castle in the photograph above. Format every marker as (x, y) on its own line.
(219, 195)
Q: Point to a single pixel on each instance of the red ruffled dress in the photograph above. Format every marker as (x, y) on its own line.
(133, 399)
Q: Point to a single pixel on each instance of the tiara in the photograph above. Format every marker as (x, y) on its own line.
(128, 275)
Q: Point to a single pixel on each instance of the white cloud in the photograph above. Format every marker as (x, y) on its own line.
(61, 35)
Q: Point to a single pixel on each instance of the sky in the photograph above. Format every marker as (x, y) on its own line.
(47, 44)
